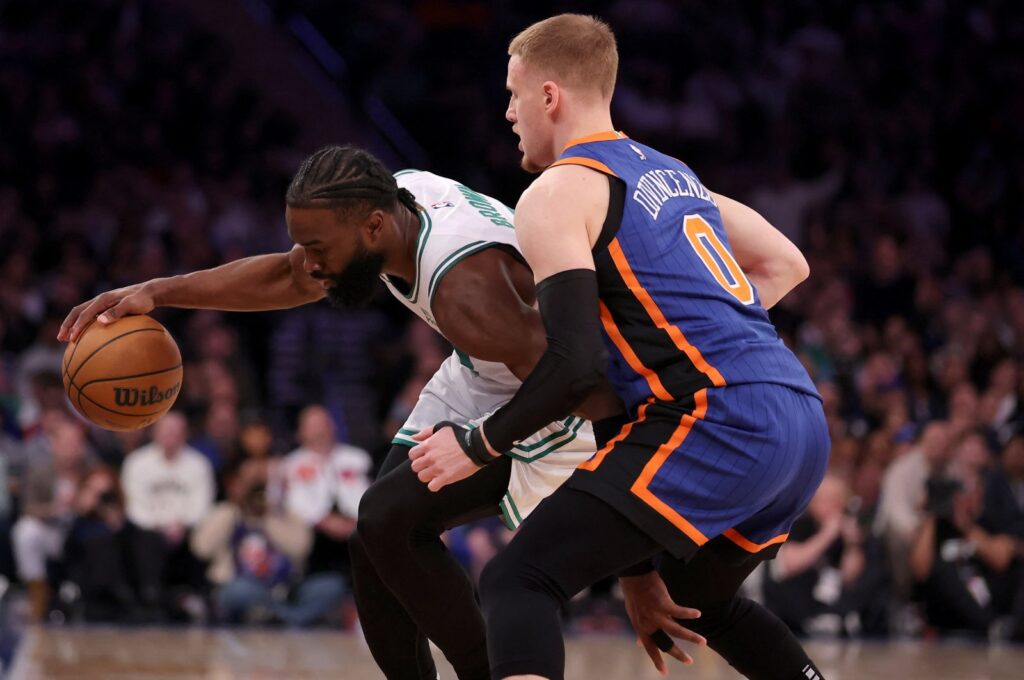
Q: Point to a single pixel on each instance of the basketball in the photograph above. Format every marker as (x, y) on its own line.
(123, 375)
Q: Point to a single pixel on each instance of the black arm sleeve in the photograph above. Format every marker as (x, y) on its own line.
(574, 363)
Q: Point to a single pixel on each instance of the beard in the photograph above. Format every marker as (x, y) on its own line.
(356, 285)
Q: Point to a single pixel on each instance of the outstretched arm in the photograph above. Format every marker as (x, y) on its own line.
(770, 260)
(252, 284)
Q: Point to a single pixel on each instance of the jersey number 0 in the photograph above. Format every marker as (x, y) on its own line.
(717, 258)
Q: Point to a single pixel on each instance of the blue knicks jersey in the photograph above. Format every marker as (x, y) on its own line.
(679, 315)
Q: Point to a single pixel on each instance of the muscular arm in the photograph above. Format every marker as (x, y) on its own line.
(555, 237)
(770, 260)
(252, 284)
(481, 306)
(259, 283)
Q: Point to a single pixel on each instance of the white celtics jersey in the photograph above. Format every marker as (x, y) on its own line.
(456, 222)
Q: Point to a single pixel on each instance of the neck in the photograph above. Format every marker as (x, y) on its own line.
(321, 447)
(400, 256)
(586, 122)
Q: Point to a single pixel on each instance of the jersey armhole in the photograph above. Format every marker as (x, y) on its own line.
(460, 255)
(613, 220)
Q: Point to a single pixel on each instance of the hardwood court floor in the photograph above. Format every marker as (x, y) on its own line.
(165, 654)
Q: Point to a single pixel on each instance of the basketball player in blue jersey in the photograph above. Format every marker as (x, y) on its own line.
(639, 280)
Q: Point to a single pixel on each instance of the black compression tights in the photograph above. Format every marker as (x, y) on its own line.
(572, 540)
(407, 585)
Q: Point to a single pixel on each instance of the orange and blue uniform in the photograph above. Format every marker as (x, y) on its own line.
(726, 433)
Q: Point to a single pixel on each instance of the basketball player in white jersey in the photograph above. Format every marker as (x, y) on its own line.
(450, 255)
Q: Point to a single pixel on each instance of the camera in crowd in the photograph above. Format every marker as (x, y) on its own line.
(942, 490)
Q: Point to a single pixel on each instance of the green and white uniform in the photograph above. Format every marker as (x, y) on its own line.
(456, 222)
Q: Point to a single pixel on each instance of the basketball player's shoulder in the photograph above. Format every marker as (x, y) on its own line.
(564, 192)
(556, 183)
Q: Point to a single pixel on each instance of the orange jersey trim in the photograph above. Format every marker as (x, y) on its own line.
(749, 545)
(639, 487)
(588, 162)
(607, 136)
(641, 294)
(598, 458)
(653, 381)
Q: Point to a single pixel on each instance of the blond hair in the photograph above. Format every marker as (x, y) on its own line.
(578, 49)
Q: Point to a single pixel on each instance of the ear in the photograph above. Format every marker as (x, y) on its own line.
(552, 96)
(373, 227)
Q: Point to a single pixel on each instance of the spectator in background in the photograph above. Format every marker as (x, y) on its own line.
(903, 495)
(323, 482)
(168, 488)
(218, 434)
(50, 486)
(257, 554)
(823, 579)
(1013, 464)
(256, 445)
(965, 559)
(117, 565)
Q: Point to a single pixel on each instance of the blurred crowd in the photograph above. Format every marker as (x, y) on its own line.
(883, 138)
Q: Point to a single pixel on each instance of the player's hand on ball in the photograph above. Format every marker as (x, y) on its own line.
(653, 615)
(439, 460)
(107, 307)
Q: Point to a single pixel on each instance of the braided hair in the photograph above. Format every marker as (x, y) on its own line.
(345, 177)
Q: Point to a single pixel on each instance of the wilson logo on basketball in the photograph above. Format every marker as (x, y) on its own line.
(133, 396)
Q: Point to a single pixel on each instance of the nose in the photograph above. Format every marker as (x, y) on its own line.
(510, 114)
(309, 265)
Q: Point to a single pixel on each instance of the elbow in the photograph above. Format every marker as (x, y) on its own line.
(797, 268)
(590, 372)
(801, 269)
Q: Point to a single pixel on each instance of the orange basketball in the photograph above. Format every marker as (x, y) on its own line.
(123, 375)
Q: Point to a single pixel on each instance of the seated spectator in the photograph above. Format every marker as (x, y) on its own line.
(257, 554)
(965, 559)
(218, 434)
(116, 565)
(51, 483)
(823, 579)
(256, 444)
(168, 488)
(903, 494)
(323, 482)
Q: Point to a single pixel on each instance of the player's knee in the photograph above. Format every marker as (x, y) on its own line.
(717, 618)
(505, 578)
(373, 517)
(383, 516)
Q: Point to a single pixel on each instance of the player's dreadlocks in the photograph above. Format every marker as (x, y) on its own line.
(343, 177)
